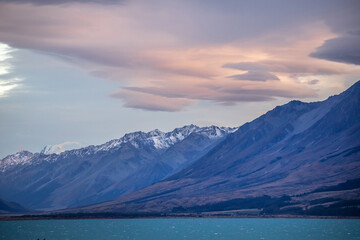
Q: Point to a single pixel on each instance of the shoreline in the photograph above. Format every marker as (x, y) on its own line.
(67, 217)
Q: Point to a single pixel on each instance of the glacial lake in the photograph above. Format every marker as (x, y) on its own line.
(191, 228)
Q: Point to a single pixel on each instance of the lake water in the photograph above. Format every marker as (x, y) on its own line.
(192, 228)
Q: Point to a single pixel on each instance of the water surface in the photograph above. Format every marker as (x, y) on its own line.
(192, 228)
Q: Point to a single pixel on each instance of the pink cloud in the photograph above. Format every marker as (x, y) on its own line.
(151, 102)
(255, 76)
(167, 69)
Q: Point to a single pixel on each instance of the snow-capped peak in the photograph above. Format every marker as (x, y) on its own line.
(15, 159)
(51, 149)
(59, 148)
(216, 132)
(155, 139)
(162, 140)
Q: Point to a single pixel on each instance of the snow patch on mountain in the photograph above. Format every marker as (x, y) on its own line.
(22, 157)
(162, 140)
(154, 139)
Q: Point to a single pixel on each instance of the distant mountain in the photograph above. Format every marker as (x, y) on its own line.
(59, 148)
(100, 173)
(11, 207)
(16, 159)
(297, 158)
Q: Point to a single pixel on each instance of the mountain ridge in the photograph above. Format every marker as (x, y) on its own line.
(293, 149)
(103, 172)
(289, 160)
(11, 207)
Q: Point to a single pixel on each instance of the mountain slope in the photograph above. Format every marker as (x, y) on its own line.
(100, 173)
(295, 150)
(11, 207)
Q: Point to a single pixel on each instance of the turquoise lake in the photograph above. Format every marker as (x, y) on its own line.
(192, 228)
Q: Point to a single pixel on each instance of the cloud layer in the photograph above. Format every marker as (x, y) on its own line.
(8, 81)
(58, 2)
(343, 49)
(167, 55)
(255, 76)
(345, 24)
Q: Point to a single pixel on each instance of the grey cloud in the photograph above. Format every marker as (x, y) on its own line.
(244, 20)
(247, 66)
(58, 2)
(313, 82)
(152, 107)
(190, 23)
(146, 100)
(255, 76)
(169, 93)
(269, 93)
(225, 95)
(344, 18)
(232, 99)
(284, 66)
(343, 49)
(345, 23)
(219, 95)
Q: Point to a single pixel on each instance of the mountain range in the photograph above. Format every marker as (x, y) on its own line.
(299, 158)
(100, 173)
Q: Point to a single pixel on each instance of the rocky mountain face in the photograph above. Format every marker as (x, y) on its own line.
(100, 173)
(303, 156)
(11, 207)
(11, 161)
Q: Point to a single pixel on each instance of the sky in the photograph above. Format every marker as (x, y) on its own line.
(83, 72)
